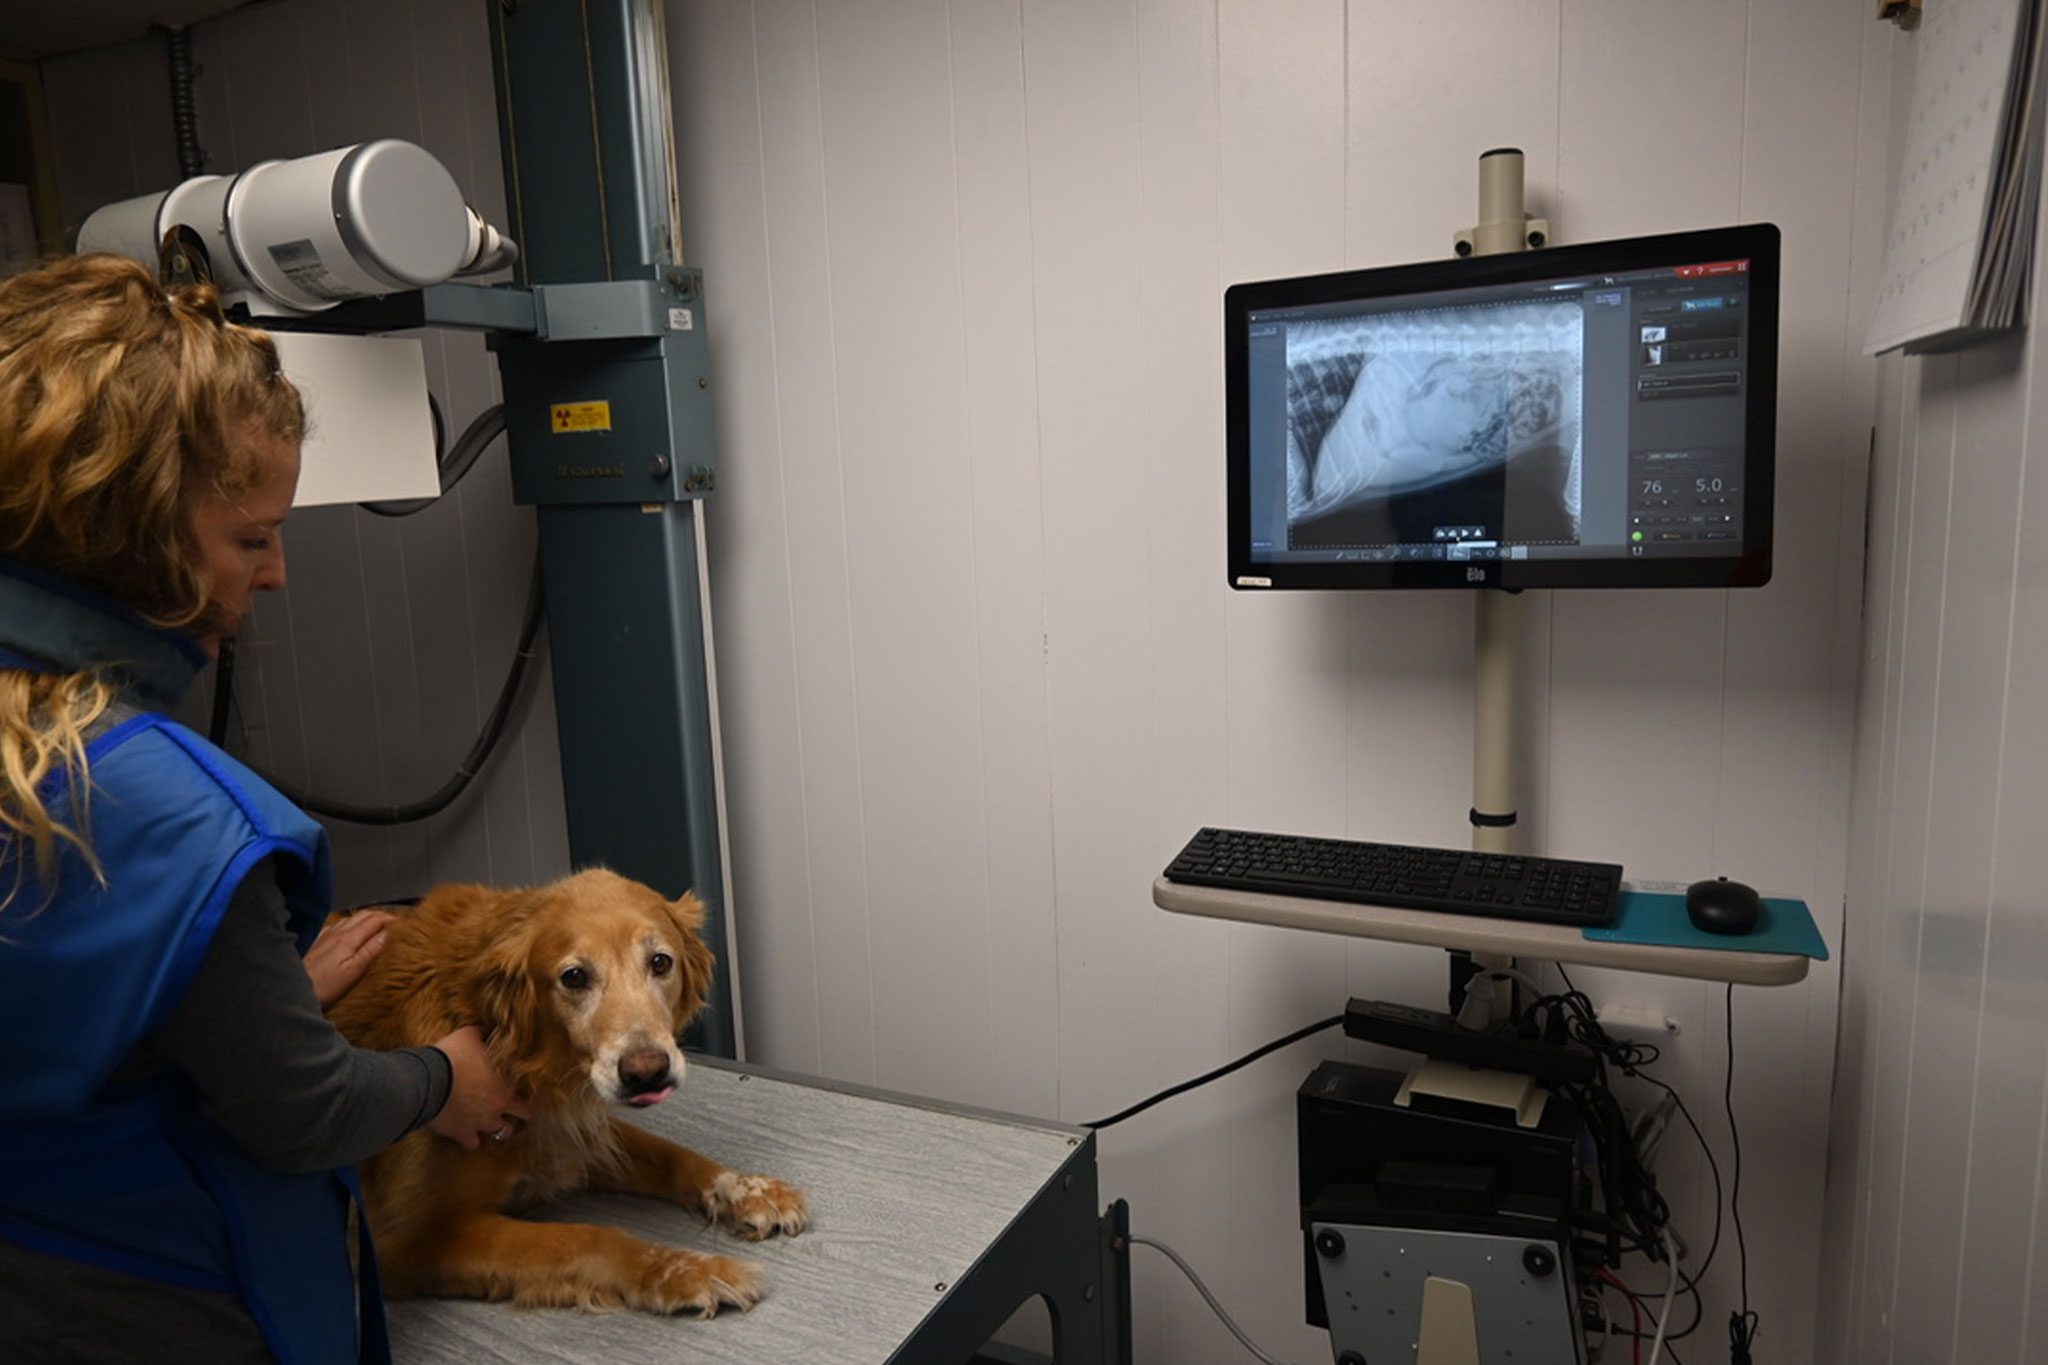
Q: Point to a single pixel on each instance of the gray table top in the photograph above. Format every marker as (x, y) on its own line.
(905, 1195)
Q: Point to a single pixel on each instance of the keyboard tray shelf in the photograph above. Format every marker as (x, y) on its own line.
(1479, 934)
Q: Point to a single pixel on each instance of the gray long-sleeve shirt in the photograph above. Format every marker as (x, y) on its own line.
(283, 1084)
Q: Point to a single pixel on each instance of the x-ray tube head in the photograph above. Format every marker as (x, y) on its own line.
(302, 235)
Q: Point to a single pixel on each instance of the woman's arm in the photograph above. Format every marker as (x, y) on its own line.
(271, 1071)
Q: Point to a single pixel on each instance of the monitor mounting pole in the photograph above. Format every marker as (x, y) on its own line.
(1503, 226)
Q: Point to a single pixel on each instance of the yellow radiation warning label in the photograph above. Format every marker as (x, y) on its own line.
(580, 417)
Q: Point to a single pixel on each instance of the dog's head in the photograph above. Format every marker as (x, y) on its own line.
(592, 979)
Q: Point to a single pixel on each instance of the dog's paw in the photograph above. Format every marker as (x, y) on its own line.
(756, 1206)
(689, 1282)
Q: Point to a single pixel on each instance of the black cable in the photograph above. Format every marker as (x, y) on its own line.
(454, 465)
(1690, 1281)
(440, 428)
(1220, 1071)
(1742, 1324)
(472, 762)
(223, 692)
(184, 113)
(1631, 1202)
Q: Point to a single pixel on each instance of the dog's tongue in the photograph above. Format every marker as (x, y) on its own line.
(642, 1101)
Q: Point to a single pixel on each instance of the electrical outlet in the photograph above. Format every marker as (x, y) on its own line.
(1639, 1021)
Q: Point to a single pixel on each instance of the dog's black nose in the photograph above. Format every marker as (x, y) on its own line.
(644, 1070)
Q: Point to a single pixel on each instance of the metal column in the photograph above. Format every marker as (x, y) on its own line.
(608, 422)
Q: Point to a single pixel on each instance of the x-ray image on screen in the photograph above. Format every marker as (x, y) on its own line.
(1444, 424)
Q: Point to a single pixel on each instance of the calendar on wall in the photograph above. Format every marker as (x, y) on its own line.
(1960, 237)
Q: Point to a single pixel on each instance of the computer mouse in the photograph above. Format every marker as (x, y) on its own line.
(1723, 907)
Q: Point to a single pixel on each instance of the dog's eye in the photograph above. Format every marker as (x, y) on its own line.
(661, 964)
(575, 978)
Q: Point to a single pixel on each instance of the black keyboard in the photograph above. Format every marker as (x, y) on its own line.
(1459, 882)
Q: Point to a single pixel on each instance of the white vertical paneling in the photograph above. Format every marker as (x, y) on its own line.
(1874, 927)
(1948, 1104)
(1935, 1204)
(2000, 1234)
(2006, 1198)
(1787, 699)
(884, 83)
(999, 389)
(1894, 946)
(1964, 736)
(1484, 76)
(1284, 84)
(1850, 1141)
(800, 309)
(1082, 130)
(1901, 938)
(1169, 1158)
(725, 131)
(1862, 617)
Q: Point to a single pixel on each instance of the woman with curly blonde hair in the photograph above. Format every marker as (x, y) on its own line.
(177, 1118)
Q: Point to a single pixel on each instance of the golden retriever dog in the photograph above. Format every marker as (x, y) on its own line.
(582, 987)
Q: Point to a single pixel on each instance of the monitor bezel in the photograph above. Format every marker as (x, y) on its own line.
(1751, 567)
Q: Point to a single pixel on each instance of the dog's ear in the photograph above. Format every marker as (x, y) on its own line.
(502, 990)
(688, 914)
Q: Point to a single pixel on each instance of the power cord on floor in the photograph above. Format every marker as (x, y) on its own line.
(1210, 1299)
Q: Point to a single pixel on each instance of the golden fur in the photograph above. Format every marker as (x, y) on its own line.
(582, 987)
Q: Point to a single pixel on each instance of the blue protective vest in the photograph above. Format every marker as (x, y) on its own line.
(133, 1178)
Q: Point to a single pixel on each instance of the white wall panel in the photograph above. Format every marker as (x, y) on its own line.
(2006, 1209)
(1850, 1144)
(1282, 162)
(990, 136)
(1789, 695)
(883, 91)
(1968, 732)
(758, 547)
(1894, 943)
(1168, 1158)
(1998, 1265)
(1936, 1203)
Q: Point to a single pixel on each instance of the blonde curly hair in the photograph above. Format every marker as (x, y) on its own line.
(121, 404)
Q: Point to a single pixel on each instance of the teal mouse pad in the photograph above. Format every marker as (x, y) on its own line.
(1786, 926)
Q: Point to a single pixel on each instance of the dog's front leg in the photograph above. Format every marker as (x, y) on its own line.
(564, 1265)
(754, 1206)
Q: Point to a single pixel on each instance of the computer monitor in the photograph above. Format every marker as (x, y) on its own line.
(1599, 415)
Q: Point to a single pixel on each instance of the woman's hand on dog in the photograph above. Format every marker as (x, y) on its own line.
(482, 1105)
(344, 951)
